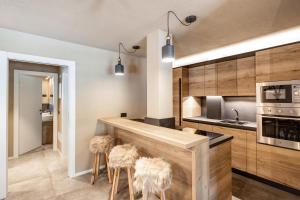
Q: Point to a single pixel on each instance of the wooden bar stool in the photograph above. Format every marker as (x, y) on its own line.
(122, 157)
(100, 145)
(152, 176)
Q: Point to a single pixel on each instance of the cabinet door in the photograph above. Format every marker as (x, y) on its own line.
(227, 84)
(210, 80)
(238, 146)
(196, 81)
(251, 152)
(279, 164)
(246, 76)
(278, 64)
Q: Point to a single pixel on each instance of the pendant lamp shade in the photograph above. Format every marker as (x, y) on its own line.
(119, 68)
(168, 52)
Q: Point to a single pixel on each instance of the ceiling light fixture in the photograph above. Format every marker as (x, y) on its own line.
(168, 54)
(119, 68)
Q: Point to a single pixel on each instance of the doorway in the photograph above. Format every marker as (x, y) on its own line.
(35, 111)
(68, 113)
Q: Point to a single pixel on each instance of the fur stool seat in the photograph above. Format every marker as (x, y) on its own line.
(100, 145)
(152, 176)
(122, 157)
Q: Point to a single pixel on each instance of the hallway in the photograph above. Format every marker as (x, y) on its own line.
(42, 174)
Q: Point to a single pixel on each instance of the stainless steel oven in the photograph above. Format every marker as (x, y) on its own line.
(280, 93)
(278, 113)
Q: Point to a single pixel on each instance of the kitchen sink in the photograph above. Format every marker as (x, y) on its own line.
(230, 121)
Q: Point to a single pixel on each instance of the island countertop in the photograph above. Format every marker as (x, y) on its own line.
(170, 136)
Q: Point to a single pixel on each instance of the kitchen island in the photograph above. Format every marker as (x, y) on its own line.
(187, 153)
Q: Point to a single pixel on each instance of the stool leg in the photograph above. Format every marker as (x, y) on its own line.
(145, 194)
(108, 169)
(162, 195)
(114, 188)
(94, 169)
(97, 165)
(131, 193)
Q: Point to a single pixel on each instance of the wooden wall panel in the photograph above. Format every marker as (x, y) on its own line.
(246, 82)
(220, 182)
(180, 159)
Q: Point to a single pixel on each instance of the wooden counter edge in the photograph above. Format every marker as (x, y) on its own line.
(141, 132)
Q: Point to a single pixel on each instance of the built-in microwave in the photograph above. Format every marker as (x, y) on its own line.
(280, 93)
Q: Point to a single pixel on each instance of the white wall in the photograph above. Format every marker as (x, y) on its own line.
(159, 78)
(98, 92)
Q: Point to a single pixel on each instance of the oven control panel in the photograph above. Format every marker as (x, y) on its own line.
(281, 111)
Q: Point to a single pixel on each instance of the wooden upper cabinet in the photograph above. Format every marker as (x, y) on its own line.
(278, 64)
(227, 80)
(210, 80)
(196, 81)
(246, 84)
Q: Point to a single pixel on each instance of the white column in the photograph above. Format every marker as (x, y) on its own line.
(159, 78)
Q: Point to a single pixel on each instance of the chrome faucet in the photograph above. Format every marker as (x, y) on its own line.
(237, 114)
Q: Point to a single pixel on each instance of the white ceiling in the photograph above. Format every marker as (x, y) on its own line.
(103, 23)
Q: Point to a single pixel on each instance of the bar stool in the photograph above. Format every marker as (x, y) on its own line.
(152, 176)
(100, 145)
(122, 157)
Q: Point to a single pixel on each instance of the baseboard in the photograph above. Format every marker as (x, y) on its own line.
(12, 157)
(87, 171)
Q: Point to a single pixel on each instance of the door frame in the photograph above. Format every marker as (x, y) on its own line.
(5, 57)
(16, 119)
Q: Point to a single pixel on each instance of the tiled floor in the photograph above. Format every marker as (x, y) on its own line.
(248, 189)
(42, 175)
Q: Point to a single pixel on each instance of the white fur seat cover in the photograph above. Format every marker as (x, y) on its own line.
(152, 175)
(101, 144)
(123, 156)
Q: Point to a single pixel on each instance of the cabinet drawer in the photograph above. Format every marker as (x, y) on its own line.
(186, 124)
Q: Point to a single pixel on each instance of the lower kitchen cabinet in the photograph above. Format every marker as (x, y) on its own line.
(186, 124)
(251, 152)
(238, 146)
(279, 165)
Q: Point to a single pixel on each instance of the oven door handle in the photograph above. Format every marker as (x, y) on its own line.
(276, 117)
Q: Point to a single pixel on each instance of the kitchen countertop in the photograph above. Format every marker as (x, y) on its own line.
(248, 126)
(167, 135)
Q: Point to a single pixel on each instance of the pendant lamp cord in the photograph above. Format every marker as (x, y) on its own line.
(125, 49)
(168, 21)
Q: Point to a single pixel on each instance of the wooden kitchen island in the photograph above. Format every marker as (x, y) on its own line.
(187, 153)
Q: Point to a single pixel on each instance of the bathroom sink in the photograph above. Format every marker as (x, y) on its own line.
(230, 121)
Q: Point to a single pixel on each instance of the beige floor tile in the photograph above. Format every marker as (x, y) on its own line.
(34, 189)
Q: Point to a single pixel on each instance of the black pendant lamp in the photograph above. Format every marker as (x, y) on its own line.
(119, 68)
(168, 53)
